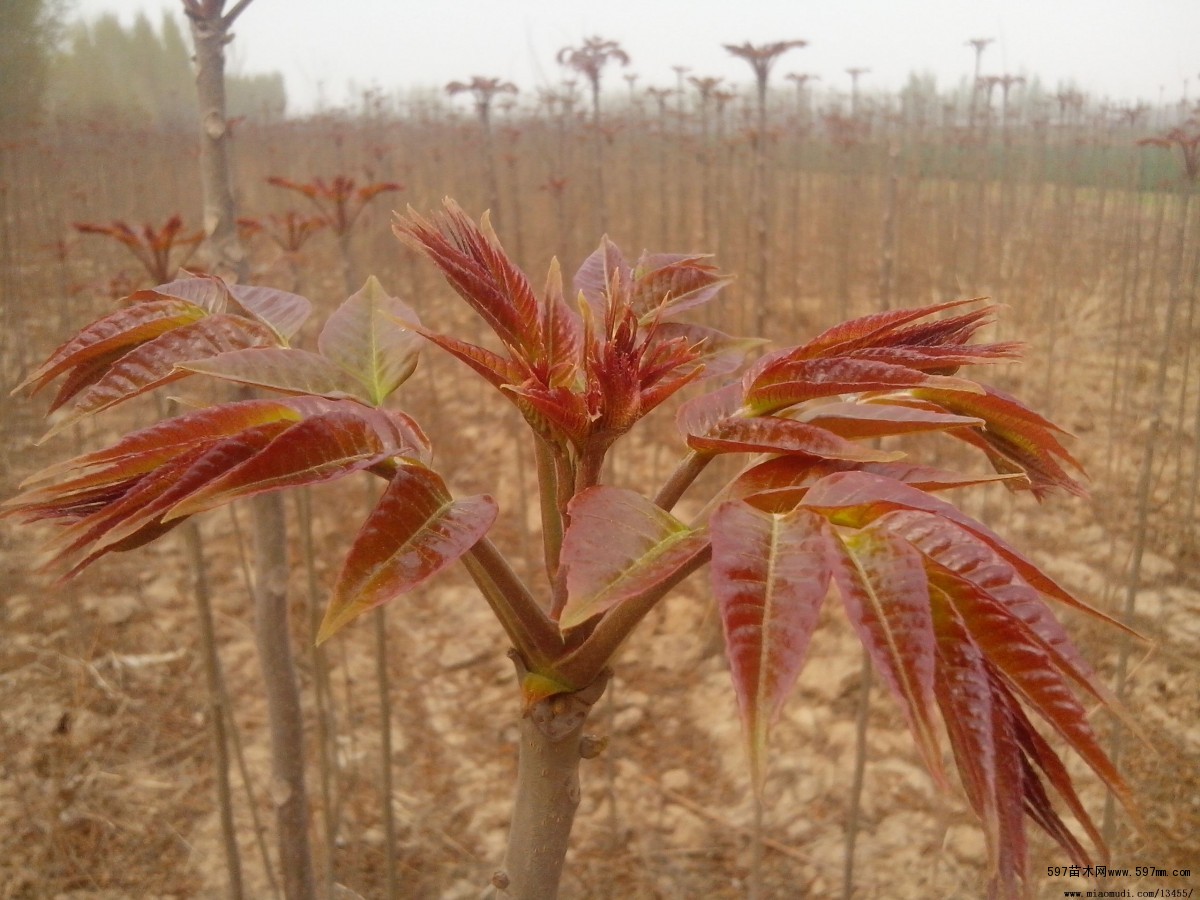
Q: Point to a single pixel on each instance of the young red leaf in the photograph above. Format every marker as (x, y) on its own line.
(952, 331)
(398, 431)
(938, 360)
(666, 284)
(154, 363)
(113, 335)
(717, 352)
(74, 502)
(856, 498)
(770, 434)
(778, 484)
(1040, 809)
(554, 413)
(1029, 667)
(856, 421)
(968, 556)
(282, 311)
(789, 382)
(480, 271)
(205, 291)
(365, 338)
(142, 508)
(770, 575)
(415, 531)
(993, 742)
(562, 332)
(882, 582)
(84, 375)
(657, 389)
(873, 330)
(497, 370)
(283, 369)
(964, 692)
(619, 545)
(594, 277)
(321, 448)
(87, 525)
(118, 468)
(1012, 862)
(1015, 438)
(700, 416)
(1041, 754)
(149, 449)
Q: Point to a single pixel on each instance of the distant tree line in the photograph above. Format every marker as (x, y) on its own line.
(29, 30)
(101, 69)
(106, 69)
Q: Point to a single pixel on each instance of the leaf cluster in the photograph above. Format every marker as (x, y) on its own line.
(161, 251)
(340, 199)
(958, 623)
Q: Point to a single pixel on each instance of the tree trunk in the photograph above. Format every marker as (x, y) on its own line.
(552, 746)
(210, 32)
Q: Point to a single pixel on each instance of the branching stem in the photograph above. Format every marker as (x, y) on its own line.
(531, 631)
(583, 665)
(681, 479)
(552, 522)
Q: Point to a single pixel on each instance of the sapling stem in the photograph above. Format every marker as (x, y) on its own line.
(582, 665)
(862, 725)
(210, 32)
(218, 701)
(526, 624)
(587, 472)
(218, 697)
(322, 690)
(547, 793)
(385, 748)
(552, 524)
(283, 692)
(681, 479)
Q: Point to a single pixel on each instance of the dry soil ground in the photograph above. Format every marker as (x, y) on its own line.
(106, 776)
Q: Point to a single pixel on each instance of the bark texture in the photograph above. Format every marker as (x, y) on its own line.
(553, 744)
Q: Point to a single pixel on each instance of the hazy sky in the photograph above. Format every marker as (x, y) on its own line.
(1125, 50)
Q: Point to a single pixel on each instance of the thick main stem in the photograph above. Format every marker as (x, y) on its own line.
(552, 746)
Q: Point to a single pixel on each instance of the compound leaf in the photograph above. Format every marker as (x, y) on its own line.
(770, 575)
(155, 363)
(113, 335)
(364, 337)
(320, 448)
(619, 545)
(771, 434)
(882, 582)
(282, 369)
(416, 530)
